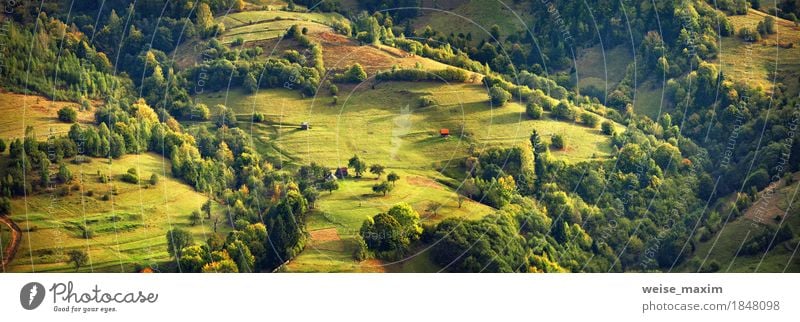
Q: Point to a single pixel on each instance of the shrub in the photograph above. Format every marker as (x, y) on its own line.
(534, 110)
(360, 253)
(589, 119)
(67, 115)
(607, 127)
(258, 117)
(748, 34)
(498, 96)
(355, 74)
(426, 101)
(154, 179)
(563, 111)
(237, 42)
(131, 176)
(558, 142)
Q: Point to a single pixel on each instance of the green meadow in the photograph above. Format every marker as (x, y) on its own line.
(127, 230)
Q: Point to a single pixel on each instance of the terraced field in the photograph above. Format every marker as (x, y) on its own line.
(127, 230)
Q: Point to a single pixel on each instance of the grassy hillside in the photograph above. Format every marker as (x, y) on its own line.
(476, 17)
(39, 112)
(723, 247)
(757, 63)
(128, 229)
(600, 68)
(385, 125)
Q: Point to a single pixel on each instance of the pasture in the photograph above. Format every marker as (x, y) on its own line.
(127, 230)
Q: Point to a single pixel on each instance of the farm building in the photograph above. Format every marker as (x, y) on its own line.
(444, 133)
(305, 126)
(341, 172)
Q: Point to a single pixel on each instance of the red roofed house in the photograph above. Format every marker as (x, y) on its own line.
(444, 133)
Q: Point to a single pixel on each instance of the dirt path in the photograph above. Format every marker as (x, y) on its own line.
(11, 249)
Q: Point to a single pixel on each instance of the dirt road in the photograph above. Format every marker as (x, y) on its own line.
(11, 249)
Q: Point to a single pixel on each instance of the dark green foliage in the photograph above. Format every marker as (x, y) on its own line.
(534, 110)
(177, 240)
(563, 111)
(488, 245)
(417, 75)
(390, 234)
(78, 258)
(5, 206)
(589, 119)
(358, 165)
(498, 96)
(383, 187)
(558, 142)
(355, 74)
(131, 176)
(67, 115)
(607, 127)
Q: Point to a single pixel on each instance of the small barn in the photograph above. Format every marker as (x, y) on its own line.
(305, 126)
(341, 172)
(444, 133)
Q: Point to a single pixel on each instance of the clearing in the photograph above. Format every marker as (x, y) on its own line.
(128, 229)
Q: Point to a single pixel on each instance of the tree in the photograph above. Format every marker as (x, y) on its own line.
(205, 19)
(494, 31)
(498, 96)
(78, 258)
(769, 25)
(357, 164)
(194, 258)
(589, 119)
(250, 84)
(45, 171)
(385, 235)
(536, 142)
(153, 179)
(354, 74)
(194, 218)
(5, 206)
(377, 170)
(433, 207)
(383, 187)
(177, 240)
(607, 128)
(558, 142)
(242, 256)
(330, 185)
(67, 115)
(534, 110)
(238, 5)
(2, 146)
(225, 117)
(563, 111)
(392, 177)
(221, 262)
(206, 208)
(64, 175)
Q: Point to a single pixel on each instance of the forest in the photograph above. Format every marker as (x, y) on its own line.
(669, 183)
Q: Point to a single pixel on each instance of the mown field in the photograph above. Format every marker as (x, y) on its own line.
(757, 63)
(724, 246)
(128, 229)
(476, 17)
(250, 17)
(18, 111)
(385, 125)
